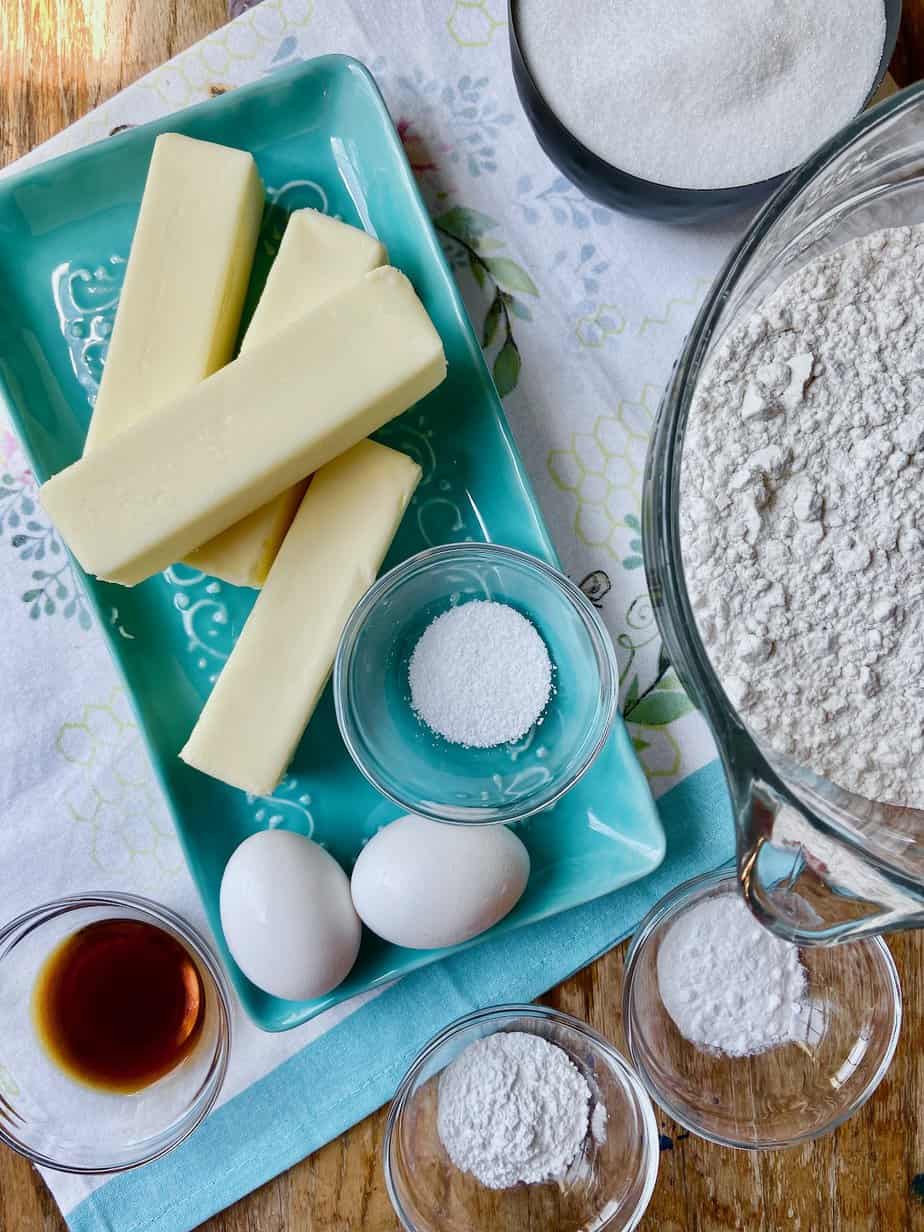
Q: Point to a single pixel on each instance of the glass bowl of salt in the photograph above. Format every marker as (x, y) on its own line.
(745, 1039)
(516, 1117)
(474, 684)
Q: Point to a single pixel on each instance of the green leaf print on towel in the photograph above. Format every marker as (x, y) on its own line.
(507, 367)
(650, 708)
(468, 239)
(649, 713)
(464, 223)
(510, 275)
(660, 704)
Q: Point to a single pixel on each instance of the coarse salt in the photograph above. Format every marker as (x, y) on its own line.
(480, 675)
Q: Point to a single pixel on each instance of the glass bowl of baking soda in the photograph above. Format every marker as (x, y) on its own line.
(475, 684)
(745, 1039)
(520, 1117)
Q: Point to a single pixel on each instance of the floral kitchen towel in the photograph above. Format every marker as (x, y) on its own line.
(581, 312)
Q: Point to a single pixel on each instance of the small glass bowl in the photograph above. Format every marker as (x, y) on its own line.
(792, 1093)
(59, 1123)
(420, 770)
(608, 1186)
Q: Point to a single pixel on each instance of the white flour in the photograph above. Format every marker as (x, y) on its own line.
(703, 93)
(513, 1107)
(729, 985)
(802, 512)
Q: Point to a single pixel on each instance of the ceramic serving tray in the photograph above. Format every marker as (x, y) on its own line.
(322, 137)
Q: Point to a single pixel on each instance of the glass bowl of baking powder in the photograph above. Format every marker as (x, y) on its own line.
(516, 1117)
(745, 1039)
(475, 684)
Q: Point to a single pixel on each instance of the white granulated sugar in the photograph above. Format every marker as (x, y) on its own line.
(703, 93)
(729, 985)
(802, 516)
(513, 1107)
(480, 675)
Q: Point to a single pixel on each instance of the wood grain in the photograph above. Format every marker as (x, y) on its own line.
(58, 59)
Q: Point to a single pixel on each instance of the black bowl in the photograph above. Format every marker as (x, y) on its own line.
(601, 181)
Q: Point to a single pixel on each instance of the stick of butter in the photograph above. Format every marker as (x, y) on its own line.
(185, 280)
(266, 693)
(245, 434)
(318, 257)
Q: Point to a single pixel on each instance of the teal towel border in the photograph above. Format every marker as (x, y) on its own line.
(315, 1095)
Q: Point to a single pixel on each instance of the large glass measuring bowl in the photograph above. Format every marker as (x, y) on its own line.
(816, 863)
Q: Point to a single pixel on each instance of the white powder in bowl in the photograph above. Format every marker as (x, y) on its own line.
(513, 1107)
(480, 675)
(728, 983)
(703, 93)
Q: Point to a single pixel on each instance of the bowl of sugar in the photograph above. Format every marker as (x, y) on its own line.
(474, 684)
(699, 114)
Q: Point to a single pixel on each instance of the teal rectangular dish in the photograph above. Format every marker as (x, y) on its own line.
(322, 137)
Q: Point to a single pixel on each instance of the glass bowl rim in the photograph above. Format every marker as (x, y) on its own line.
(670, 907)
(601, 643)
(28, 921)
(539, 1013)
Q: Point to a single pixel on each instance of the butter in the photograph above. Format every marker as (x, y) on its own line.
(266, 693)
(318, 257)
(185, 280)
(245, 434)
(243, 554)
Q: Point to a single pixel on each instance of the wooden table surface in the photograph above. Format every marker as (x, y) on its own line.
(58, 59)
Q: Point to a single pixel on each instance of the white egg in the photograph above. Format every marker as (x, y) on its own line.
(423, 884)
(287, 915)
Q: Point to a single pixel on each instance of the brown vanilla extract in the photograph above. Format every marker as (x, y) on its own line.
(119, 1004)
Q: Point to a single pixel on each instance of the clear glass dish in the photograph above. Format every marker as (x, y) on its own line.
(608, 1187)
(426, 774)
(59, 1123)
(791, 1093)
(816, 863)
